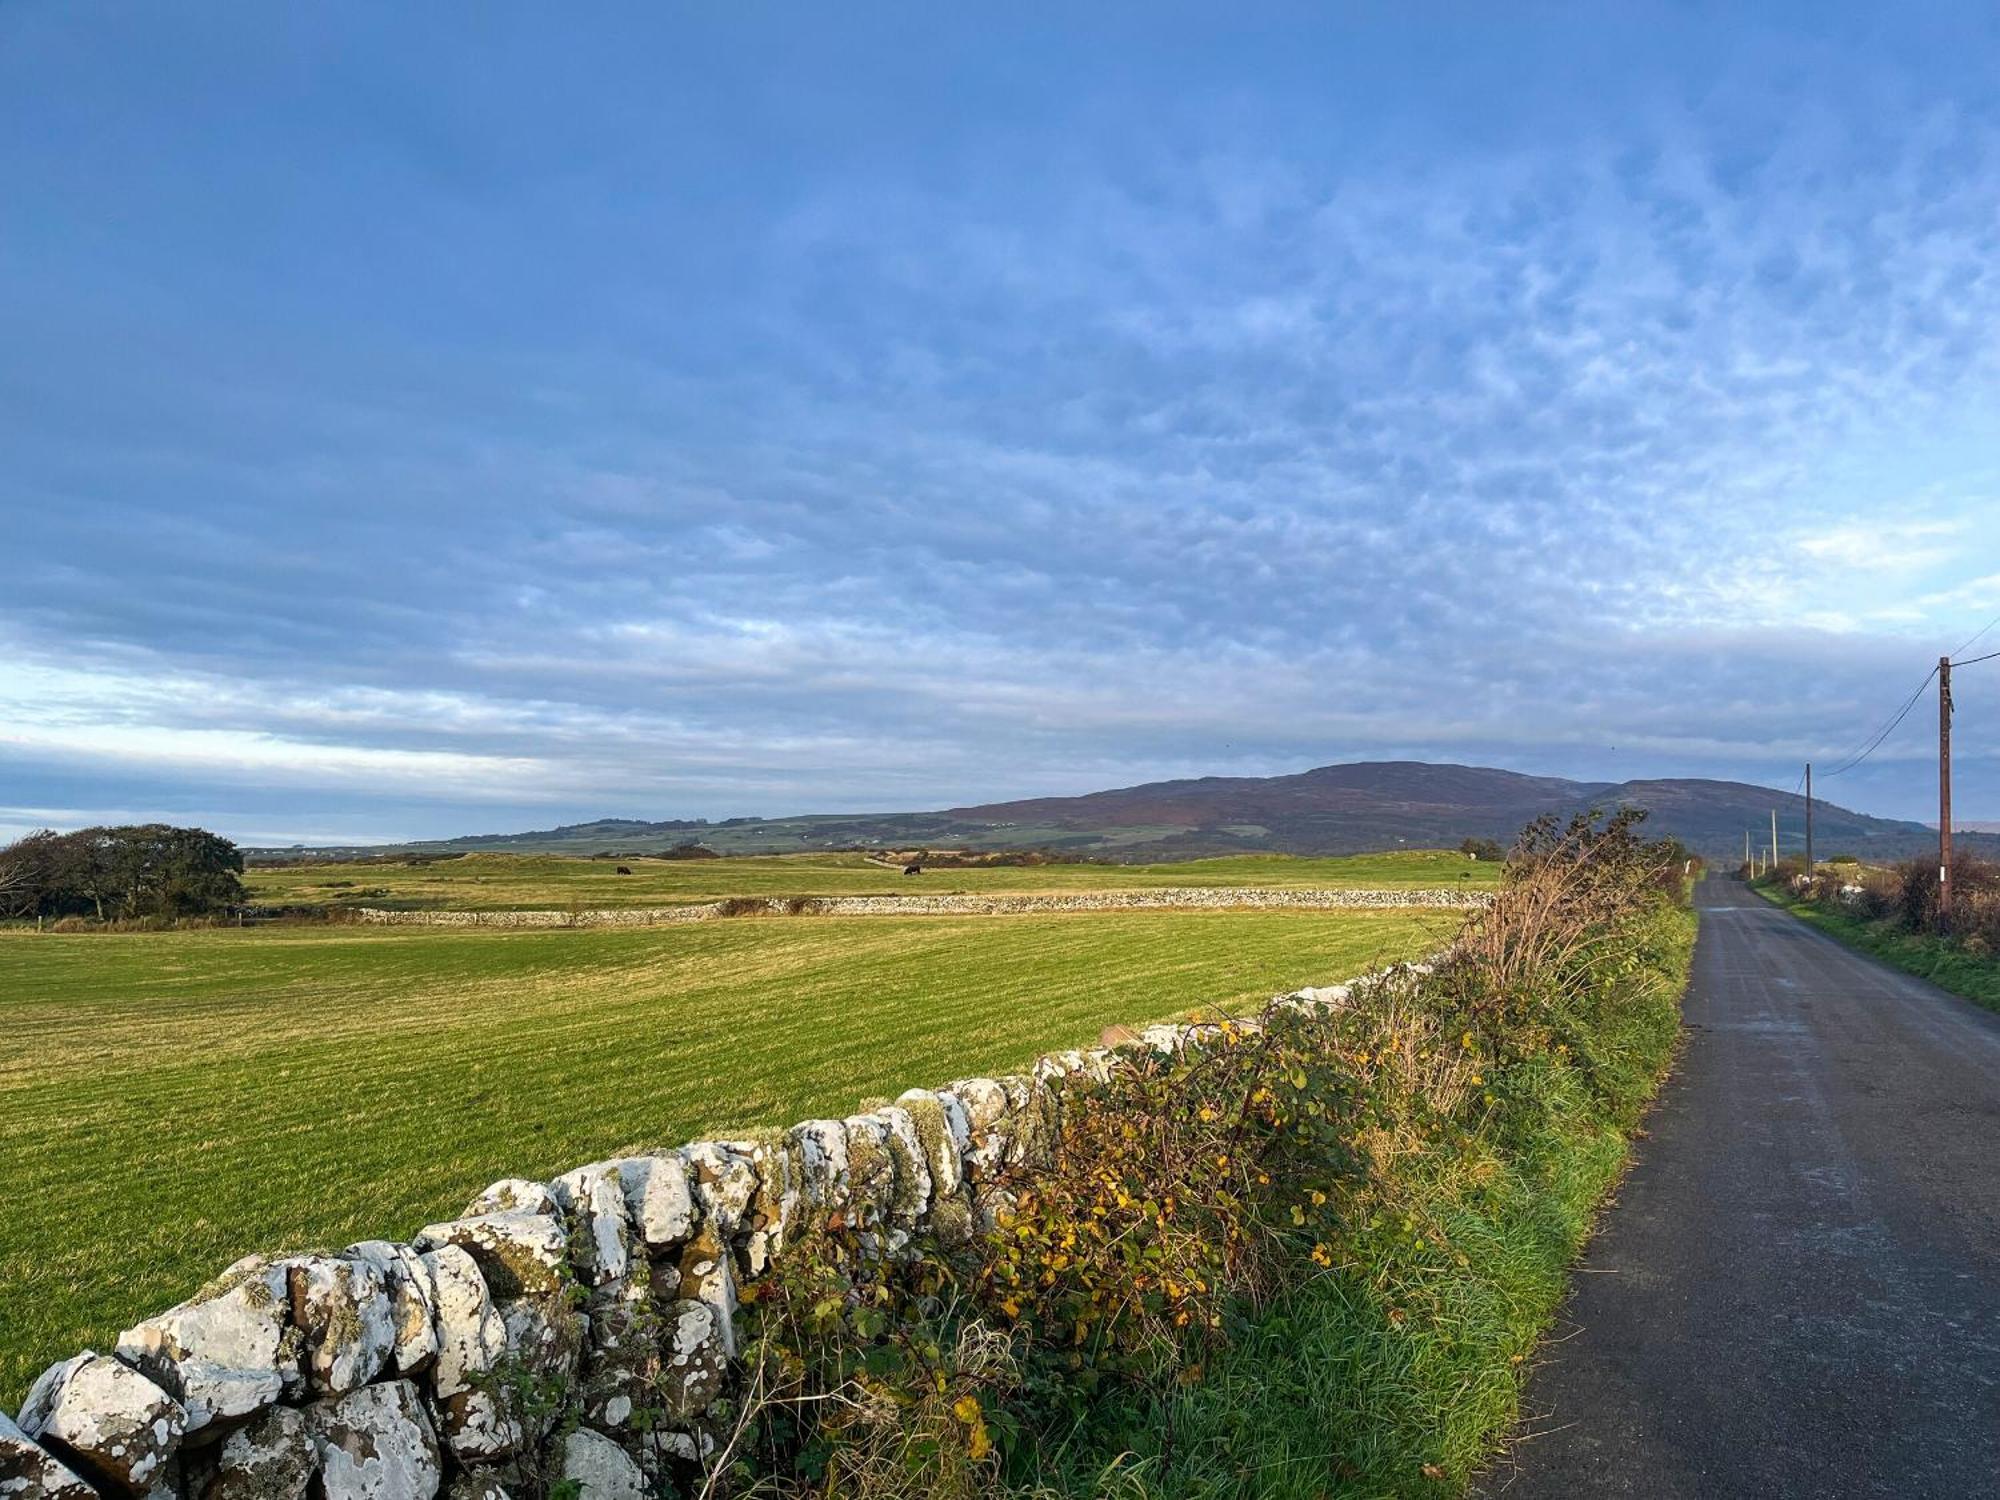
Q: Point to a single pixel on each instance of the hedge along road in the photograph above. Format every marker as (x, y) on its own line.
(1798, 1291)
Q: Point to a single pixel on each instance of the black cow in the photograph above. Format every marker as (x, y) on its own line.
(624, 869)
(913, 869)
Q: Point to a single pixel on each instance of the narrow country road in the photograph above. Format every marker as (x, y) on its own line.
(1797, 1292)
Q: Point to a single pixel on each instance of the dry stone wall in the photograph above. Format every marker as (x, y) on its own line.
(1190, 897)
(411, 1370)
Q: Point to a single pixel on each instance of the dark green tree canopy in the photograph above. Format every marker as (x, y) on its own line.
(141, 870)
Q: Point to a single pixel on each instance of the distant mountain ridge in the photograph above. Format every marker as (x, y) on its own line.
(1347, 808)
(1313, 804)
(1339, 809)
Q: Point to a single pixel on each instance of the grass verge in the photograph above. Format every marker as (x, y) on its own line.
(1398, 1370)
(1943, 963)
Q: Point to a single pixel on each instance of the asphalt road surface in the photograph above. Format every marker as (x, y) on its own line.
(1797, 1292)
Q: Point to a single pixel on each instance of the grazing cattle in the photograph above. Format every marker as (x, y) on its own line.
(913, 869)
(624, 869)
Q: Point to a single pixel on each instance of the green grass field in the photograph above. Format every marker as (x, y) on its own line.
(171, 1101)
(518, 882)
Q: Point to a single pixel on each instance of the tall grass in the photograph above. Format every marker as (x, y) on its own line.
(1398, 1370)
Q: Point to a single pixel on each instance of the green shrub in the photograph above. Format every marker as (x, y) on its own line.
(1291, 1257)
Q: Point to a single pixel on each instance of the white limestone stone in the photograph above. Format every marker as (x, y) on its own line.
(512, 1195)
(28, 1471)
(270, 1457)
(341, 1309)
(600, 1468)
(593, 1198)
(227, 1351)
(110, 1421)
(519, 1254)
(408, 1285)
(376, 1444)
(658, 1198)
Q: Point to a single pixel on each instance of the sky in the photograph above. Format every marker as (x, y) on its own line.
(422, 421)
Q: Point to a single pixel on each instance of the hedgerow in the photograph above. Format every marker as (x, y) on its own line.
(1907, 897)
(1396, 1182)
(1896, 915)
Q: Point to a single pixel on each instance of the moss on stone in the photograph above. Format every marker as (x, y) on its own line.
(511, 1269)
(951, 1220)
(343, 1318)
(870, 1168)
(246, 1274)
(933, 1133)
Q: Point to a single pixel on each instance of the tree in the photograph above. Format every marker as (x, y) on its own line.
(85, 873)
(25, 870)
(192, 871)
(147, 870)
(1482, 849)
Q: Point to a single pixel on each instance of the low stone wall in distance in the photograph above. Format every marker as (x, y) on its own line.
(1188, 898)
(405, 1370)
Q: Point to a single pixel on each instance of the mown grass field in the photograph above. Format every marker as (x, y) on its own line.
(516, 882)
(171, 1101)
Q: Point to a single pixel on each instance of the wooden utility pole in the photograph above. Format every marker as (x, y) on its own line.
(1809, 858)
(1944, 793)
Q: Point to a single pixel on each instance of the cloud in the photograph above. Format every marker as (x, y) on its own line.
(1888, 546)
(881, 467)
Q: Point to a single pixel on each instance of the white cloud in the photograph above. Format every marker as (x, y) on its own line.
(1887, 546)
(987, 484)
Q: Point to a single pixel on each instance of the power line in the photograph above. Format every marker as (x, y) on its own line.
(1975, 639)
(1876, 742)
(1888, 729)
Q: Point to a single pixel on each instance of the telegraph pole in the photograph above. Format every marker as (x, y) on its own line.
(1809, 858)
(1944, 792)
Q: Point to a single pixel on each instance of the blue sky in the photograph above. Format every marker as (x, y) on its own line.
(426, 422)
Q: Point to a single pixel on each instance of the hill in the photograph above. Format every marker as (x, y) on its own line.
(1335, 809)
(1340, 809)
(1379, 804)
